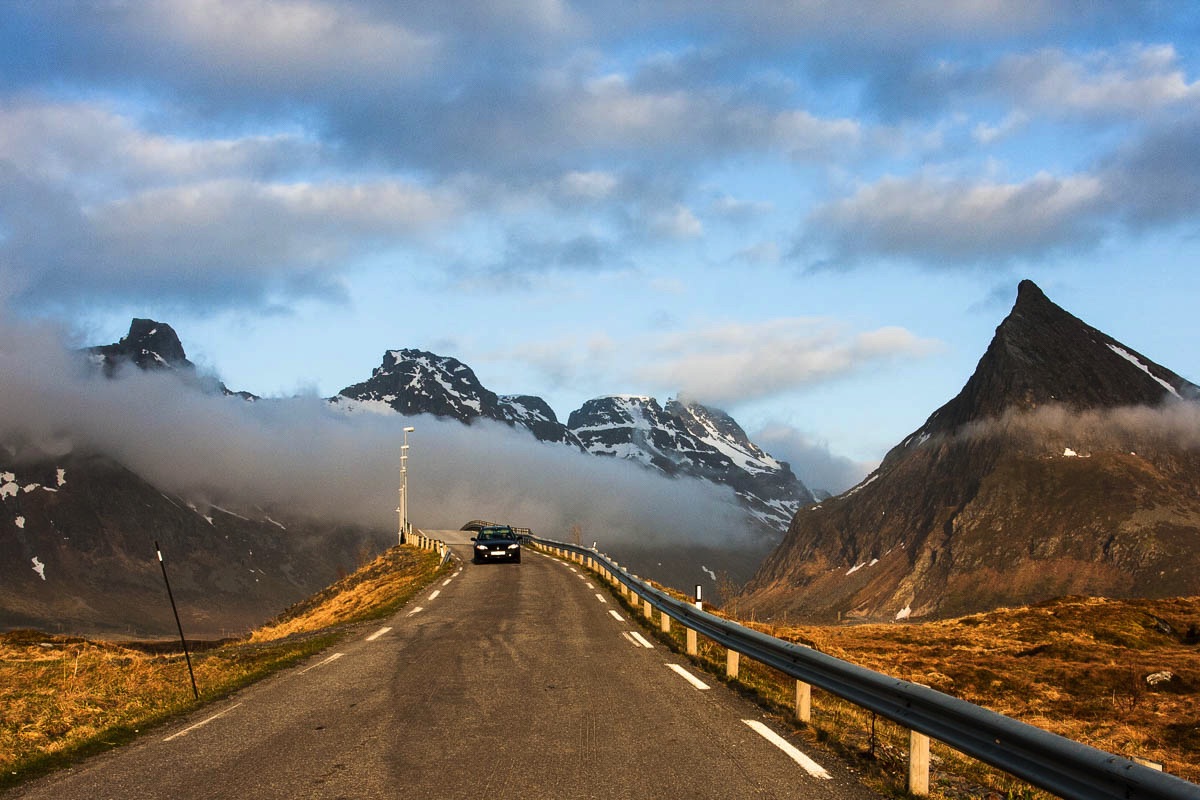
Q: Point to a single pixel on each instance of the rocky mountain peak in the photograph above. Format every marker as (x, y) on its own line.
(1041, 355)
(689, 439)
(415, 382)
(1059, 498)
(149, 345)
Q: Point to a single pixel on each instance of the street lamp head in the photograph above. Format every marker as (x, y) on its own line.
(409, 429)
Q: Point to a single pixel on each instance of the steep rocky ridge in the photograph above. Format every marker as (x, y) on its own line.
(1068, 464)
(689, 439)
(415, 382)
(154, 346)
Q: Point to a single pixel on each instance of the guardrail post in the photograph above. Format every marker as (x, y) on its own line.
(647, 609)
(664, 624)
(732, 660)
(803, 701)
(693, 647)
(918, 764)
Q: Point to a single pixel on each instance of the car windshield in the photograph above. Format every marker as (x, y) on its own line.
(494, 533)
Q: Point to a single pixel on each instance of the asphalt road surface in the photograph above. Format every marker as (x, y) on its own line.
(503, 681)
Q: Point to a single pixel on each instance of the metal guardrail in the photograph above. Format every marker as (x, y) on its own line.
(1059, 765)
(422, 542)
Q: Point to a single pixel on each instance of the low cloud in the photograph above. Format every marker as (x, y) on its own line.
(301, 456)
(1175, 425)
(811, 460)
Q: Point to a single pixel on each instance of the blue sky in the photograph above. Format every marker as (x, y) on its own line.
(811, 214)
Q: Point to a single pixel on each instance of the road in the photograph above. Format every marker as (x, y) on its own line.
(502, 681)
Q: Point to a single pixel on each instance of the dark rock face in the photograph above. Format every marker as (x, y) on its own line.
(149, 345)
(77, 554)
(1056, 470)
(154, 346)
(415, 382)
(692, 440)
(1040, 355)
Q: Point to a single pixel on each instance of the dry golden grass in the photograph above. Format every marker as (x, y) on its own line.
(1074, 666)
(64, 697)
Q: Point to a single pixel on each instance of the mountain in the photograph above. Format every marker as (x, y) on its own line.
(1068, 464)
(77, 536)
(77, 533)
(154, 346)
(679, 440)
(415, 382)
(689, 439)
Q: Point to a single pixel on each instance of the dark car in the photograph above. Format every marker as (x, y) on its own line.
(497, 543)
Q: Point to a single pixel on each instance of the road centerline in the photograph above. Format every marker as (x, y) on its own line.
(329, 660)
(201, 723)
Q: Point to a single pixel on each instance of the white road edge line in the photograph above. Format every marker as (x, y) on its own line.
(201, 723)
(616, 616)
(689, 677)
(641, 640)
(600, 597)
(377, 634)
(333, 657)
(811, 767)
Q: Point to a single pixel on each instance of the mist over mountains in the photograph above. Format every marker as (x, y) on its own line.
(228, 480)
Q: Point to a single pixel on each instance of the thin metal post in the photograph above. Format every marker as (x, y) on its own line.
(178, 624)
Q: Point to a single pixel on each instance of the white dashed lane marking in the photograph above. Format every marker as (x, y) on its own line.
(689, 677)
(416, 610)
(329, 660)
(201, 723)
(639, 640)
(809, 766)
(600, 597)
(434, 596)
(615, 615)
(377, 634)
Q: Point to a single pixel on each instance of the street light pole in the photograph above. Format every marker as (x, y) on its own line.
(404, 526)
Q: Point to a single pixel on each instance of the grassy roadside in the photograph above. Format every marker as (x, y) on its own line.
(1074, 666)
(63, 698)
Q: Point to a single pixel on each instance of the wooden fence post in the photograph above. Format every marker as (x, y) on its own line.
(918, 764)
(803, 701)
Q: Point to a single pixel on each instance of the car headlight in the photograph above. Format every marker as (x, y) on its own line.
(513, 546)
(481, 547)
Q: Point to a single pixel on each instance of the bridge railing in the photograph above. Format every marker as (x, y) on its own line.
(1059, 765)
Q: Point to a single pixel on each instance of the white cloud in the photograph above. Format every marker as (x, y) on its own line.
(937, 220)
(96, 152)
(281, 41)
(1129, 81)
(676, 223)
(589, 185)
(739, 362)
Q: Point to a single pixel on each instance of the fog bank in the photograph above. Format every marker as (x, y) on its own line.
(303, 456)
